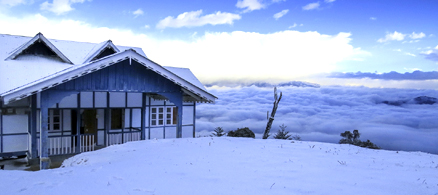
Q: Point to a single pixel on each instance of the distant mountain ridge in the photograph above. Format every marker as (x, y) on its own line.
(418, 100)
(267, 85)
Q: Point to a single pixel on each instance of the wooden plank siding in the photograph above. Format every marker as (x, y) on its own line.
(121, 77)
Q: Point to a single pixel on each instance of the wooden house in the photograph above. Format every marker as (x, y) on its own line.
(63, 97)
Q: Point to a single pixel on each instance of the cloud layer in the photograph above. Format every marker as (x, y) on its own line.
(321, 114)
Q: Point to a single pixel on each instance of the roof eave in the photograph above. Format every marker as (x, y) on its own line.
(81, 70)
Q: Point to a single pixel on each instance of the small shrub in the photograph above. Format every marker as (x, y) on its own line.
(353, 138)
(283, 134)
(218, 132)
(243, 132)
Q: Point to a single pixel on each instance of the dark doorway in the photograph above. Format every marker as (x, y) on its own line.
(89, 124)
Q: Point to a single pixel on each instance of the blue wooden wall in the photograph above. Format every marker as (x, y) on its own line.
(121, 77)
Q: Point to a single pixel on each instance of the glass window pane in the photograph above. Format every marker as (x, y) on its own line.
(168, 122)
(154, 116)
(160, 122)
(160, 116)
(160, 110)
(169, 109)
(154, 110)
(154, 122)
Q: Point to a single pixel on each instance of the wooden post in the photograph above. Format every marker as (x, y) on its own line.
(194, 119)
(78, 124)
(179, 122)
(274, 109)
(142, 115)
(44, 134)
(107, 119)
(33, 127)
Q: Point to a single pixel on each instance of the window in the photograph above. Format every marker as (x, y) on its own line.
(54, 122)
(164, 115)
(117, 116)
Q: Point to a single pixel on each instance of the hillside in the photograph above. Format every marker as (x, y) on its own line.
(232, 166)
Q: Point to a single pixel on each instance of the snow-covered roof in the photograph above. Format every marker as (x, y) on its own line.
(23, 74)
(99, 48)
(38, 38)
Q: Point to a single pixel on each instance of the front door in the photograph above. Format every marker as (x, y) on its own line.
(89, 124)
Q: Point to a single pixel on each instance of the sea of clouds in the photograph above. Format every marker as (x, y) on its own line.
(321, 114)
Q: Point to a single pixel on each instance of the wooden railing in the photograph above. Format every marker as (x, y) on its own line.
(120, 138)
(60, 145)
(67, 144)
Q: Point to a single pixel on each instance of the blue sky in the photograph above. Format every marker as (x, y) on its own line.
(247, 40)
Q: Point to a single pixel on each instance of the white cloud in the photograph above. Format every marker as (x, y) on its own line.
(147, 26)
(417, 35)
(59, 6)
(215, 55)
(295, 25)
(138, 12)
(251, 5)
(194, 18)
(12, 2)
(249, 56)
(277, 1)
(280, 14)
(69, 30)
(410, 54)
(396, 36)
(311, 6)
(329, 1)
(373, 18)
(411, 41)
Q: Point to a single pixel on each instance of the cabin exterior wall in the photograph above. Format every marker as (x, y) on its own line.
(15, 133)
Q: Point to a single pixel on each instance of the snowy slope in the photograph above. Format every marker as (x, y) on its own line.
(232, 166)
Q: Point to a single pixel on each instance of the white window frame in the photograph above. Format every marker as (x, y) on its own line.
(51, 122)
(169, 115)
(162, 115)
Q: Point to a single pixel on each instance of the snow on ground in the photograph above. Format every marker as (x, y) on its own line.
(232, 166)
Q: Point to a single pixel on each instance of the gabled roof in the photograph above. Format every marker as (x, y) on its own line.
(192, 89)
(99, 48)
(38, 38)
(28, 74)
